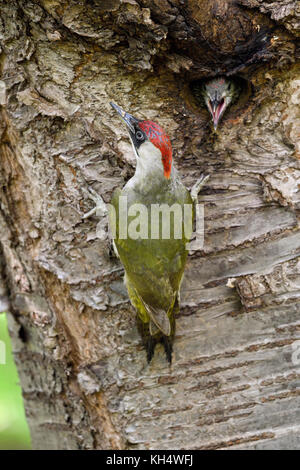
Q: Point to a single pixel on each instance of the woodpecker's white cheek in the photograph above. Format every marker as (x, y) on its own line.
(150, 158)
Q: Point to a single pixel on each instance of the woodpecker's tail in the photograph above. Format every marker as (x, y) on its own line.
(152, 335)
(159, 319)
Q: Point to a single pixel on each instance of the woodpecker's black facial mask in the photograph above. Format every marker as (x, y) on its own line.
(137, 136)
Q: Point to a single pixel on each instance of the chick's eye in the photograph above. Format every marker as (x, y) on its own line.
(139, 135)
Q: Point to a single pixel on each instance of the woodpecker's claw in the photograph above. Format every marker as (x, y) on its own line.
(198, 186)
(100, 208)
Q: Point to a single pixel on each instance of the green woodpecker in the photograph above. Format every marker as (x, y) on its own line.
(154, 261)
(218, 94)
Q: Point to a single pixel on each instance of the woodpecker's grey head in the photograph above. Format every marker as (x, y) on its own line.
(152, 146)
(218, 94)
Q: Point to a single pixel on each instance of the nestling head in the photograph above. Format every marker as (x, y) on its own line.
(218, 94)
(151, 145)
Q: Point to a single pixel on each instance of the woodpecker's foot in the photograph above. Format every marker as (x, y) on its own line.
(150, 342)
(112, 250)
(100, 208)
(150, 347)
(198, 186)
(166, 342)
(168, 346)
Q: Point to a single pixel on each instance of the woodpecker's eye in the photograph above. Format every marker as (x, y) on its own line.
(139, 135)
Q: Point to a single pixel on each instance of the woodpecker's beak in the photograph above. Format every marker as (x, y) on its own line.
(216, 109)
(129, 120)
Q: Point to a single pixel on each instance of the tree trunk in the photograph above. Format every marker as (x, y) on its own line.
(234, 380)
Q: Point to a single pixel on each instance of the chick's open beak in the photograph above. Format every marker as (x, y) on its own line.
(129, 120)
(216, 109)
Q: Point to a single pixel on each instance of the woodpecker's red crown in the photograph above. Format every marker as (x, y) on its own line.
(159, 138)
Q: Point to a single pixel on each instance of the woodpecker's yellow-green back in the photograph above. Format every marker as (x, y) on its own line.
(154, 267)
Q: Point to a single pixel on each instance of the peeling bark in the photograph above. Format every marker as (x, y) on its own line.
(234, 380)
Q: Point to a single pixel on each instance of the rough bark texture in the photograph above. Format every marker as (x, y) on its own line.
(234, 381)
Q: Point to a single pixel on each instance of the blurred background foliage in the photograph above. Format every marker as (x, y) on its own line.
(14, 432)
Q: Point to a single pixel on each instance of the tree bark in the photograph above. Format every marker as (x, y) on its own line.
(234, 380)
